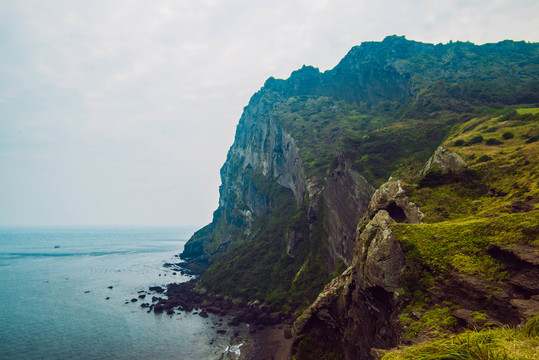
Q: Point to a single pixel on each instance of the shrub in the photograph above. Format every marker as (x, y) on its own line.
(508, 135)
(531, 329)
(435, 178)
(484, 158)
(459, 143)
(532, 139)
(475, 140)
(493, 142)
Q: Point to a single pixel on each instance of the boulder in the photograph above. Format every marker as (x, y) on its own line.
(384, 259)
(464, 317)
(444, 160)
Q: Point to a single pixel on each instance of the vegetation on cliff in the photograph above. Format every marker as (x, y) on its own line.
(467, 218)
(381, 112)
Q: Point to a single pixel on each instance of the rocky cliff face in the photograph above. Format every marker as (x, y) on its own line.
(261, 147)
(261, 144)
(358, 310)
(346, 197)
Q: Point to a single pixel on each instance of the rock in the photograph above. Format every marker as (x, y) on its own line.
(203, 314)
(384, 259)
(107, 298)
(346, 198)
(142, 296)
(220, 331)
(523, 260)
(170, 312)
(134, 300)
(157, 289)
(287, 333)
(444, 160)
(358, 310)
(111, 287)
(528, 308)
(352, 315)
(378, 354)
(464, 317)
(475, 294)
(392, 198)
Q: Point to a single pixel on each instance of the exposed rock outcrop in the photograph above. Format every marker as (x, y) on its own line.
(392, 198)
(358, 310)
(444, 160)
(346, 197)
(384, 260)
(262, 147)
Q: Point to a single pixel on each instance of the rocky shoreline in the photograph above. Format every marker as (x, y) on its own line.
(270, 331)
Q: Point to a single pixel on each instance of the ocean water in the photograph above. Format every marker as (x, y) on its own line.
(54, 285)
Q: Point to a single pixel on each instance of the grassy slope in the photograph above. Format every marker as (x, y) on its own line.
(496, 205)
(490, 344)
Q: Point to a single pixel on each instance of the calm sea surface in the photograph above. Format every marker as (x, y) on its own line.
(54, 289)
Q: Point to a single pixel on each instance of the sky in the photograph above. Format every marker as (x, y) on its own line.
(121, 112)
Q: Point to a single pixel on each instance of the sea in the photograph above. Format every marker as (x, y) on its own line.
(65, 293)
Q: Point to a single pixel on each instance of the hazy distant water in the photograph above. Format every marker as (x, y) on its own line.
(53, 300)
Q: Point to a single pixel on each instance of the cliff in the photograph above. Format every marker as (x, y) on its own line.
(301, 228)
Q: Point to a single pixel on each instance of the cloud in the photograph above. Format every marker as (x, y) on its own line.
(123, 111)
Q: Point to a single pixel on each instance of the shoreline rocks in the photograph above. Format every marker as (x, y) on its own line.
(184, 297)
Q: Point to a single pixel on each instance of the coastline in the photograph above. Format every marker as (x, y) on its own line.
(270, 335)
(268, 344)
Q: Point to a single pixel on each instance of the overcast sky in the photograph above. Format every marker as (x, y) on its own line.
(121, 112)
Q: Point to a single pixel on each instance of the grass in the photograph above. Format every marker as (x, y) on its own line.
(528, 111)
(506, 172)
(531, 329)
(493, 344)
(432, 323)
(462, 245)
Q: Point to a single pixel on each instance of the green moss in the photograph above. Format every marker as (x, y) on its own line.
(462, 245)
(433, 323)
(479, 317)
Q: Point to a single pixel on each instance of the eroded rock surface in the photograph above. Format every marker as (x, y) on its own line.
(384, 259)
(392, 198)
(358, 310)
(444, 160)
(346, 197)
